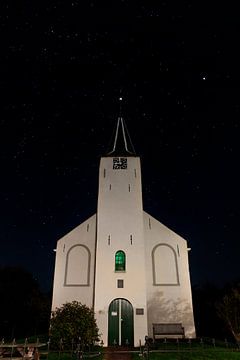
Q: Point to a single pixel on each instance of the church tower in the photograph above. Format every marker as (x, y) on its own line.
(120, 285)
(125, 264)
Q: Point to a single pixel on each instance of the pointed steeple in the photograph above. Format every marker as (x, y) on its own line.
(122, 144)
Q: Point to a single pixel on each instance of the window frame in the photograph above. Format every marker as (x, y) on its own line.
(120, 261)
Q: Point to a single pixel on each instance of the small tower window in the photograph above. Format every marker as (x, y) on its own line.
(120, 261)
(149, 223)
(120, 284)
(178, 251)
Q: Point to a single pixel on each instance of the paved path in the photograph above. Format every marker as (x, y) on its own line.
(114, 354)
(117, 356)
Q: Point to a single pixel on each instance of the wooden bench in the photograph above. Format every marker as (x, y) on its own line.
(170, 330)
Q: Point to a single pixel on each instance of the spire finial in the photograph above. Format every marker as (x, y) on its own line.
(120, 99)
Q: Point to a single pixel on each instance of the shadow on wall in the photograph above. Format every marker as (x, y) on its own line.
(162, 310)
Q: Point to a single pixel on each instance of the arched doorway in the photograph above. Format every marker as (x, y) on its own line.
(120, 323)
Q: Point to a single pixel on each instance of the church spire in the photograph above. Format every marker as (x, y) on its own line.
(122, 144)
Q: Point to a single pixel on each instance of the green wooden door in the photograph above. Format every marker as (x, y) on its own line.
(120, 323)
(113, 323)
(126, 323)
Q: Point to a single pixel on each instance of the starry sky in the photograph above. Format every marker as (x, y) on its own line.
(64, 65)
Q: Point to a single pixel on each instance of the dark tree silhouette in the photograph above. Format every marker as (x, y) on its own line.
(24, 309)
(228, 309)
(207, 321)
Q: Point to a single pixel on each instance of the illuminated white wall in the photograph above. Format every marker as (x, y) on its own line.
(169, 295)
(120, 227)
(156, 279)
(74, 267)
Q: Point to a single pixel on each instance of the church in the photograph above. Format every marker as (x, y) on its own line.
(122, 262)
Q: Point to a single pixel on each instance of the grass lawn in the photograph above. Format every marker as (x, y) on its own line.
(195, 354)
(169, 350)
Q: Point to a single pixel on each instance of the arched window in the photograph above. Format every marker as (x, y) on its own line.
(120, 261)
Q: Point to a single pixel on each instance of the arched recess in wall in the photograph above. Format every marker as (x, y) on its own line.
(77, 269)
(164, 265)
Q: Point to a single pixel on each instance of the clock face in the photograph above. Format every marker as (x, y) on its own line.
(119, 163)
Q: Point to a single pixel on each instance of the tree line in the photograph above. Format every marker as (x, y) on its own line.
(217, 310)
(24, 309)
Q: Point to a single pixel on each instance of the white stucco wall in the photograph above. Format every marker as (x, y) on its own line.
(120, 227)
(74, 265)
(160, 287)
(169, 296)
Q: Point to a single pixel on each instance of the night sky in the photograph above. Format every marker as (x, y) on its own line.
(64, 65)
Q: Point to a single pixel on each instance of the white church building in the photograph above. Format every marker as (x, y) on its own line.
(122, 262)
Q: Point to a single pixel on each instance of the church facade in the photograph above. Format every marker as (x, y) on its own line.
(130, 268)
